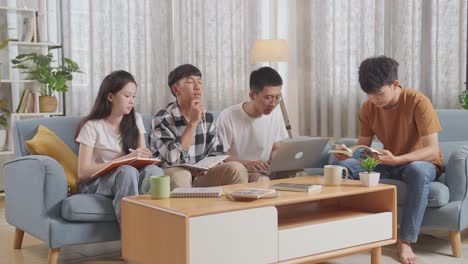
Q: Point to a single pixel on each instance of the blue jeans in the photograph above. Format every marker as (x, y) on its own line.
(417, 175)
(120, 182)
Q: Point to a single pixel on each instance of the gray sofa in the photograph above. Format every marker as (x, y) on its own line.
(36, 194)
(39, 205)
(448, 196)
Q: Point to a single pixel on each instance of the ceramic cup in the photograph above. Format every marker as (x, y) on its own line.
(159, 187)
(333, 174)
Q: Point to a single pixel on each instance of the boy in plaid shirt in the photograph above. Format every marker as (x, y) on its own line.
(185, 133)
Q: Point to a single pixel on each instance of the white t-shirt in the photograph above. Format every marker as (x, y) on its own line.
(249, 138)
(107, 144)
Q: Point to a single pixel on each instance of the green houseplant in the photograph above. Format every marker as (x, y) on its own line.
(369, 177)
(463, 98)
(54, 78)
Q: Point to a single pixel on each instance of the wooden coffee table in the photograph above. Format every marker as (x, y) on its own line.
(295, 227)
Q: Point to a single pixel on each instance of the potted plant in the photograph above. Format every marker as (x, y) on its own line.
(3, 122)
(54, 78)
(369, 177)
(463, 98)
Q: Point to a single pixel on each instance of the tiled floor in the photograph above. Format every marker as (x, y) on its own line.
(35, 251)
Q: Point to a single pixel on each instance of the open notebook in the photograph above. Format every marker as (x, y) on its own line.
(135, 162)
(204, 164)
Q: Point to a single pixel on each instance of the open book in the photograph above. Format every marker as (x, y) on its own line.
(204, 164)
(135, 162)
(349, 151)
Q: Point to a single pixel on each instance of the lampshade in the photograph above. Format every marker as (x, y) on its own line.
(269, 50)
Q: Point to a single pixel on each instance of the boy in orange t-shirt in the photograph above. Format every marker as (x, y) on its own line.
(405, 122)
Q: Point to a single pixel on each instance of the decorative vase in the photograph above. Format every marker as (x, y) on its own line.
(369, 179)
(47, 104)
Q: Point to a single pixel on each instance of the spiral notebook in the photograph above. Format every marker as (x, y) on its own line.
(197, 192)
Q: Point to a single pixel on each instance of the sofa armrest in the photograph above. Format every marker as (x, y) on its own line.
(35, 186)
(456, 174)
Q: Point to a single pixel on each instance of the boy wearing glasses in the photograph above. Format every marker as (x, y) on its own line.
(184, 133)
(405, 122)
(251, 131)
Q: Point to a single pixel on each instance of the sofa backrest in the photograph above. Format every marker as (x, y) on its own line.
(63, 126)
(454, 124)
(147, 118)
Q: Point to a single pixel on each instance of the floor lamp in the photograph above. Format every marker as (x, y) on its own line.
(272, 50)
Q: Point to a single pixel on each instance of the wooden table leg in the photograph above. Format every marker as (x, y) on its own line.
(376, 255)
(19, 234)
(455, 240)
(53, 255)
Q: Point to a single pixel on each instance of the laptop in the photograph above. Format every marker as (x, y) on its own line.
(297, 154)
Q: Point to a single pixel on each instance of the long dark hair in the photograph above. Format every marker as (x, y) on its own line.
(113, 83)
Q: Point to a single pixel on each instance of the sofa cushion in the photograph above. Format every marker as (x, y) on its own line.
(45, 142)
(438, 192)
(88, 207)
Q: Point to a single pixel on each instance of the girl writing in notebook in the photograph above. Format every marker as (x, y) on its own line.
(113, 131)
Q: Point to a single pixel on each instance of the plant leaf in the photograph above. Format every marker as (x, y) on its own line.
(38, 67)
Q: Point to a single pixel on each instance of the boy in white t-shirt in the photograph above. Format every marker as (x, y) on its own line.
(251, 131)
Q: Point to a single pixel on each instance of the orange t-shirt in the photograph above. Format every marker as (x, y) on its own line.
(400, 129)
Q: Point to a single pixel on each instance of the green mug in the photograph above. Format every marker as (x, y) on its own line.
(160, 187)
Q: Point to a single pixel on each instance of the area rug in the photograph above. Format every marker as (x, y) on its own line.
(429, 250)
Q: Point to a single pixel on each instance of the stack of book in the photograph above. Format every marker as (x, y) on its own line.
(197, 192)
(27, 102)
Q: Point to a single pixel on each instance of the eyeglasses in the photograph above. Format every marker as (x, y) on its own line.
(271, 98)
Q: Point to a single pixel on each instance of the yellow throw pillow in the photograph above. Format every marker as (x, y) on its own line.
(45, 142)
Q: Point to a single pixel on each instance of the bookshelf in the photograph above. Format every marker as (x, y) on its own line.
(19, 34)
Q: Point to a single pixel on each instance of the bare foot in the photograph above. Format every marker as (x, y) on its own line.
(405, 253)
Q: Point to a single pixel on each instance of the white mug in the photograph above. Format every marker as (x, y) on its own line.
(333, 174)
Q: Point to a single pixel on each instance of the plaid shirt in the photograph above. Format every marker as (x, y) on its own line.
(168, 127)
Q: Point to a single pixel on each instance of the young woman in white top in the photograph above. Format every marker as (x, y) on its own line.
(112, 132)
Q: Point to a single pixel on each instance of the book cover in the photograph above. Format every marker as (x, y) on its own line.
(28, 29)
(197, 192)
(204, 164)
(26, 102)
(31, 104)
(22, 99)
(251, 194)
(297, 187)
(135, 162)
(349, 151)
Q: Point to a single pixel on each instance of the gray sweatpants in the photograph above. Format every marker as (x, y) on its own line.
(123, 181)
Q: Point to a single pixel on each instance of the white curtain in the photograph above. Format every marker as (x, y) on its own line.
(150, 38)
(216, 36)
(427, 38)
(328, 40)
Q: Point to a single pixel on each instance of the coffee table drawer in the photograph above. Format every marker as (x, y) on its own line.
(246, 236)
(322, 236)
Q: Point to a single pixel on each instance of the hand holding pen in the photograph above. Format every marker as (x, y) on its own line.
(141, 152)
